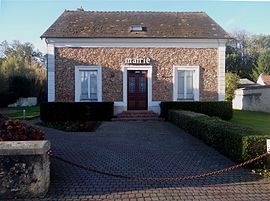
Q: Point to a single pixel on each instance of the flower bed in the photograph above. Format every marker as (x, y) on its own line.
(18, 131)
(73, 126)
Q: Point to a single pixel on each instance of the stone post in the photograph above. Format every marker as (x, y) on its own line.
(24, 169)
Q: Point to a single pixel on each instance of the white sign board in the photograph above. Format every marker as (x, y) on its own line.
(137, 61)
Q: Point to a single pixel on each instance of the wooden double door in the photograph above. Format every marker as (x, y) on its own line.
(137, 90)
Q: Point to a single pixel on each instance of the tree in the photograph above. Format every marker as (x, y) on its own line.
(20, 85)
(231, 85)
(243, 51)
(239, 58)
(260, 43)
(3, 84)
(263, 66)
(3, 47)
(22, 70)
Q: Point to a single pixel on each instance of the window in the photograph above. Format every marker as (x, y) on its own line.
(186, 83)
(137, 28)
(132, 84)
(88, 83)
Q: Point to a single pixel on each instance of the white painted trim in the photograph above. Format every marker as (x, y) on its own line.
(51, 72)
(125, 68)
(260, 80)
(196, 81)
(123, 104)
(119, 104)
(78, 83)
(155, 103)
(221, 72)
(136, 42)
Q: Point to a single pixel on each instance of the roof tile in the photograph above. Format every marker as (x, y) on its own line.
(95, 24)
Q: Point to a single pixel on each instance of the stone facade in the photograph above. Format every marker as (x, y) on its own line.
(112, 60)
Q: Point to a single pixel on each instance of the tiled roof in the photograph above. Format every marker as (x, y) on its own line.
(94, 24)
(244, 82)
(266, 79)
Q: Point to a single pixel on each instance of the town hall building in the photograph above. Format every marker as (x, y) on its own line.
(135, 59)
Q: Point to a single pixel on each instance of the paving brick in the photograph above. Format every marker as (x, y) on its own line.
(149, 149)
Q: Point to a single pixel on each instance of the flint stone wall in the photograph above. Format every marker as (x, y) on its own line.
(252, 99)
(24, 169)
(112, 60)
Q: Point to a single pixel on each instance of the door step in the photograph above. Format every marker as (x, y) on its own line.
(137, 115)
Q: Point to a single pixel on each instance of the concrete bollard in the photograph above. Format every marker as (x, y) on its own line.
(268, 145)
(24, 114)
(268, 151)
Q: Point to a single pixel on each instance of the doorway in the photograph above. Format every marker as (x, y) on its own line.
(137, 90)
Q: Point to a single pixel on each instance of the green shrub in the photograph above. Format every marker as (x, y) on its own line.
(221, 109)
(254, 146)
(231, 85)
(79, 111)
(7, 98)
(239, 143)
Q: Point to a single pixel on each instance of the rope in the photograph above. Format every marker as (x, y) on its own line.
(211, 173)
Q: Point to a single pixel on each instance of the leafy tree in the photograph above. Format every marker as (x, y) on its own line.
(3, 47)
(22, 69)
(263, 66)
(243, 51)
(3, 84)
(239, 58)
(233, 58)
(260, 43)
(231, 85)
(20, 85)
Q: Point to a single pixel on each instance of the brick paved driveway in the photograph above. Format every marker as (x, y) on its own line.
(149, 149)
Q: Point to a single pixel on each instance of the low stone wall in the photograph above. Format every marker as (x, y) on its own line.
(24, 169)
(24, 102)
(252, 98)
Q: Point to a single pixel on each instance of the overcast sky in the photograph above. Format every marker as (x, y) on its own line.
(26, 20)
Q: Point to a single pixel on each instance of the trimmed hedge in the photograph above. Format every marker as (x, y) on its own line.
(237, 142)
(71, 111)
(221, 109)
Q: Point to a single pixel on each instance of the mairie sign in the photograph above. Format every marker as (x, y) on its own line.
(137, 61)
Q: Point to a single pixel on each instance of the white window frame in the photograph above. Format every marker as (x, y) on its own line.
(196, 81)
(125, 70)
(78, 82)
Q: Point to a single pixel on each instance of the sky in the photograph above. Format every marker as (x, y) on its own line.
(26, 20)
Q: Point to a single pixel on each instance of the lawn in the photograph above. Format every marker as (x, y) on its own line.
(30, 112)
(256, 120)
